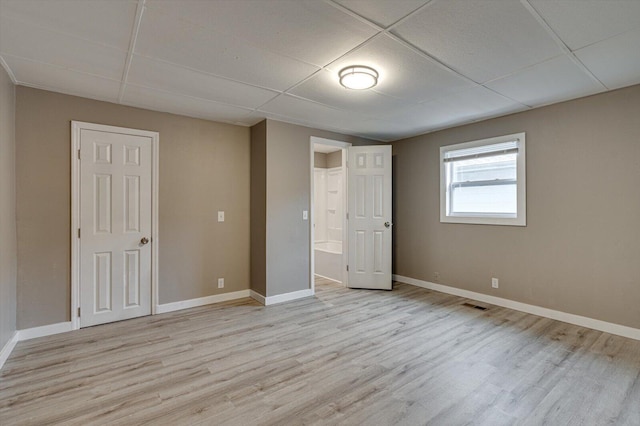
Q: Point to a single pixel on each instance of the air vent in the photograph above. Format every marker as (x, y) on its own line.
(471, 305)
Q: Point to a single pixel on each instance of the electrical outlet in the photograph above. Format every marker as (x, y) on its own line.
(436, 276)
(220, 282)
(495, 283)
(305, 215)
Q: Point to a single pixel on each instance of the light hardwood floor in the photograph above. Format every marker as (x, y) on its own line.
(410, 356)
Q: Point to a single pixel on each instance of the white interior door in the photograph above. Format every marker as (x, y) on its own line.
(370, 217)
(115, 226)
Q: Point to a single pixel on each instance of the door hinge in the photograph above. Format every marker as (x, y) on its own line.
(78, 232)
(78, 154)
(78, 312)
(347, 268)
(347, 215)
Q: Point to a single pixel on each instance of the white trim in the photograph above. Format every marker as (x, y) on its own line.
(76, 127)
(280, 298)
(201, 301)
(257, 297)
(490, 219)
(607, 327)
(45, 330)
(287, 297)
(8, 348)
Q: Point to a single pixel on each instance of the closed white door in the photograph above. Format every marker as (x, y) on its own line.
(370, 224)
(115, 226)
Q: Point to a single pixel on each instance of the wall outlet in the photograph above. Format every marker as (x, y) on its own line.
(495, 283)
(220, 216)
(305, 215)
(436, 276)
(220, 282)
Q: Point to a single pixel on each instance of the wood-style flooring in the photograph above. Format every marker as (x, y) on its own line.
(410, 356)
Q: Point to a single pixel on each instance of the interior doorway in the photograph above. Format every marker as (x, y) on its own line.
(328, 251)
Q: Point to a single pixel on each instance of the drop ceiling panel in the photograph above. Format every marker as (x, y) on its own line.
(325, 88)
(382, 12)
(482, 40)
(615, 61)
(382, 130)
(404, 74)
(172, 78)
(580, 23)
(310, 113)
(555, 80)
(177, 104)
(42, 45)
(472, 104)
(164, 37)
(309, 30)
(104, 21)
(57, 79)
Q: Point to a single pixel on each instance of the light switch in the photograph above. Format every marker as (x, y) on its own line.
(220, 216)
(305, 215)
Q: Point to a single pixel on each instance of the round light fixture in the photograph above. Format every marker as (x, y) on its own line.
(358, 77)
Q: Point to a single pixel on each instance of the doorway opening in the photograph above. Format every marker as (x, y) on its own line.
(329, 210)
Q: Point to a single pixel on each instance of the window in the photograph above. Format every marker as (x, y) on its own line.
(484, 181)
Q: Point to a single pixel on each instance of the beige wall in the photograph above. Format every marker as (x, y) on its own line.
(580, 250)
(204, 167)
(288, 194)
(334, 159)
(259, 207)
(8, 256)
(320, 160)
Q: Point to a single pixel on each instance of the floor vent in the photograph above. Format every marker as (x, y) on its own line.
(471, 305)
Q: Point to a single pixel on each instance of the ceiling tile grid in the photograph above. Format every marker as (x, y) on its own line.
(441, 63)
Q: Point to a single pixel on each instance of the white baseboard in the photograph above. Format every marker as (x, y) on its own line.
(201, 301)
(8, 348)
(258, 297)
(607, 327)
(45, 330)
(280, 298)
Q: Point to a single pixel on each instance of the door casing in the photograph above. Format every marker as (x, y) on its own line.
(76, 127)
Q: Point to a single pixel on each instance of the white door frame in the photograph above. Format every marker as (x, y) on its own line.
(345, 252)
(76, 127)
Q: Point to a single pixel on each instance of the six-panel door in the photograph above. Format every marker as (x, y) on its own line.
(370, 217)
(115, 224)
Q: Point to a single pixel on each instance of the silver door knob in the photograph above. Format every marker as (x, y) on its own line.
(388, 224)
(144, 240)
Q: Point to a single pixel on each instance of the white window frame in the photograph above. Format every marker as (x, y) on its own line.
(488, 219)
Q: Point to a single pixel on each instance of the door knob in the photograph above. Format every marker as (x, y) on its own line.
(388, 224)
(144, 240)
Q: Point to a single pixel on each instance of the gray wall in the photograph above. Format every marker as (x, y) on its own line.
(204, 167)
(288, 194)
(259, 207)
(580, 250)
(8, 256)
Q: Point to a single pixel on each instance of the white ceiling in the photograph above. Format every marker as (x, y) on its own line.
(442, 63)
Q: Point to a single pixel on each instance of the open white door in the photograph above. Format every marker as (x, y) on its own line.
(370, 217)
(115, 226)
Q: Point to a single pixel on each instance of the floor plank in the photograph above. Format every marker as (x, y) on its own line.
(411, 356)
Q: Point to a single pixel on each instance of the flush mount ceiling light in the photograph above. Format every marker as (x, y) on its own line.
(358, 77)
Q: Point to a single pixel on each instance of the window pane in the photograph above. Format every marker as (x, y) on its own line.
(487, 168)
(485, 199)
